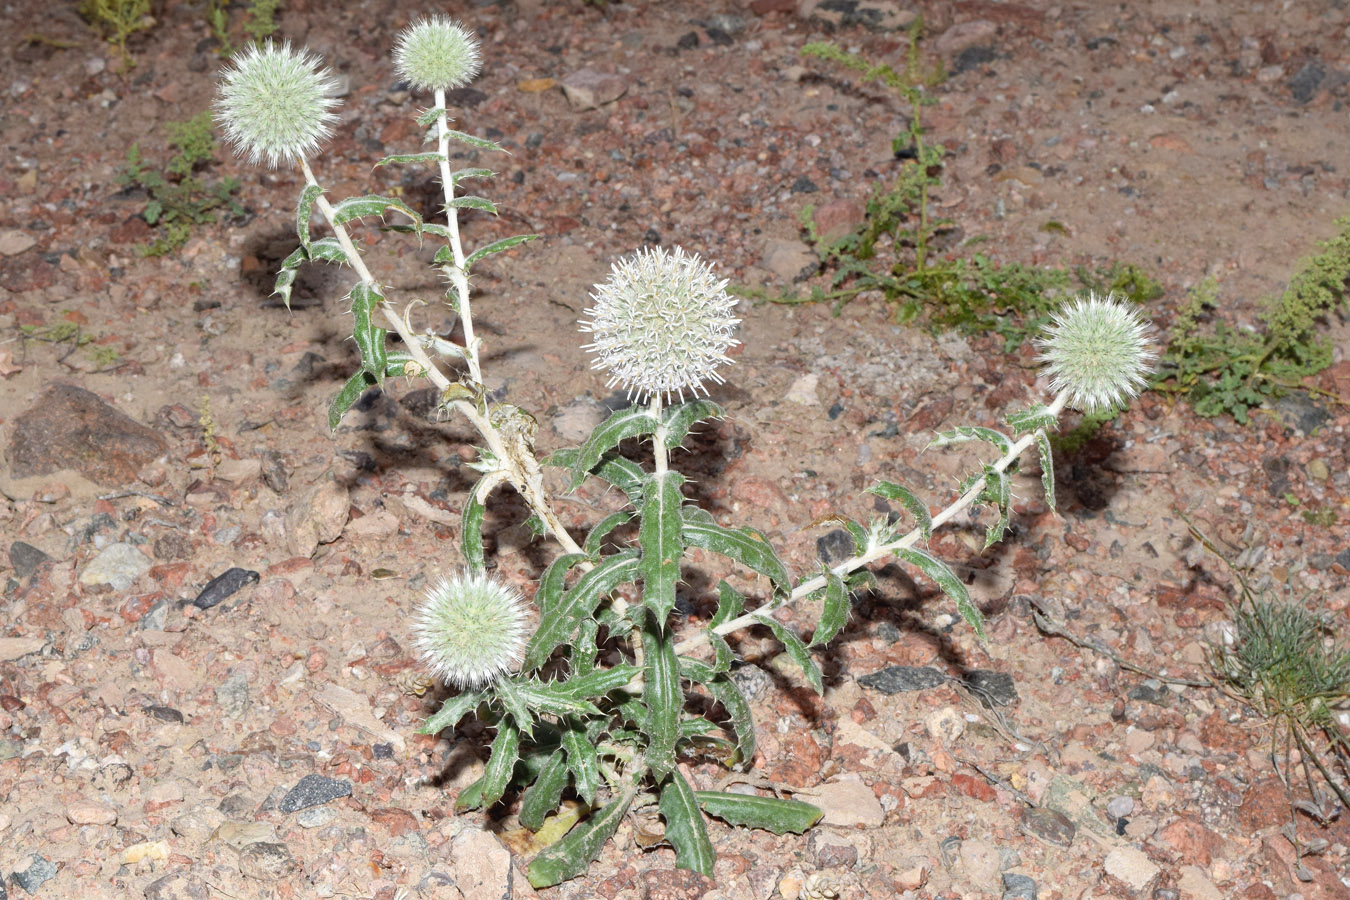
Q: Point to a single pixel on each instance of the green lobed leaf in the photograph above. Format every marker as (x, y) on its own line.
(624, 474)
(596, 538)
(727, 693)
(372, 205)
(679, 419)
(905, 497)
(551, 582)
(1034, 419)
(471, 202)
(796, 649)
(626, 423)
(286, 275)
(768, 813)
(1000, 491)
(347, 397)
(451, 712)
(560, 620)
(834, 614)
(552, 698)
(663, 696)
(696, 670)
(599, 682)
(401, 158)
(502, 761)
(471, 524)
(730, 604)
(369, 338)
(527, 768)
(745, 545)
(303, 210)
(480, 143)
(429, 116)
(964, 433)
(1047, 467)
(574, 853)
(497, 247)
(583, 762)
(460, 174)
(514, 698)
(659, 537)
(327, 250)
(947, 581)
(684, 826)
(584, 648)
(543, 796)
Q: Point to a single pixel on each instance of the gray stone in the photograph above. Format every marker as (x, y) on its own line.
(318, 518)
(25, 558)
(898, 679)
(1049, 825)
(1119, 807)
(314, 790)
(315, 816)
(831, 851)
(1132, 866)
(1305, 82)
(176, 886)
(848, 803)
(589, 88)
(68, 427)
(753, 681)
(118, 565)
(1018, 887)
(232, 694)
(878, 14)
(992, 688)
(481, 866)
(223, 586)
(38, 871)
(789, 261)
(835, 547)
(266, 861)
(198, 823)
(13, 242)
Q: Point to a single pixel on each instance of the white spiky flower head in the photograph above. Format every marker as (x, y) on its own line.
(1097, 350)
(436, 54)
(276, 104)
(662, 323)
(470, 629)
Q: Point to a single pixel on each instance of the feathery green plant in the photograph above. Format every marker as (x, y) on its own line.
(118, 20)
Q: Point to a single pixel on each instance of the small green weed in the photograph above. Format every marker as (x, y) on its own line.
(260, 23)
(969, 295)
(1222, 369)
(178, 197)
(67, 332)
(117, 20)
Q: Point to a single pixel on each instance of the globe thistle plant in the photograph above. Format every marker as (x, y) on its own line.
(1096, 350)
(662, 323)
(276, 104)
(470, 630)
(436, 54)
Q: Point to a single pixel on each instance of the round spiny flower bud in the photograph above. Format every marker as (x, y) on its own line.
(1096, 349)
(662, 323)
(436, 55)
(470, 630)
(276, 104)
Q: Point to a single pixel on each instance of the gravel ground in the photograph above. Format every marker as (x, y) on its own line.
(206, 687)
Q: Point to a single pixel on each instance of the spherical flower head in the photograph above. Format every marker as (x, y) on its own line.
(1097, 350)
(276, 104)
(470, 630)
(662, 323)
(436, 54)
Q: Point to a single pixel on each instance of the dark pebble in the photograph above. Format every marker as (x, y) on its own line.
(1149, 694)
(719, 37)
(314, 790)
(25, 558)
(223, 586)
(274, 473)
(1048, 825)
(1018, 887)
(835, 546)
(993, 688)
(895, 679)
(165, 714)
(465, 97)
(973, 58)
(687, 41)
(382, 751)
(1305, 82)
(804, 185)
(32, 878)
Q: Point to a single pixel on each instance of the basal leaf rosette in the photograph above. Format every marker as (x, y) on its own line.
(470, 630)
(662, 323)
(436, 54)
(276, 104)
(1096, 350)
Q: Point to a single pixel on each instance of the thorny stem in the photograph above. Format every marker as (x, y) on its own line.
(872, 554)
(524, 473)
(458, 278)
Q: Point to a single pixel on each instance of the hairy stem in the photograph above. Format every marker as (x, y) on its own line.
(659, 453)
(873, 554)
(459, 280)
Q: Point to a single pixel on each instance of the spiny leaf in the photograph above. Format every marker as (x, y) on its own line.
(626, 423)
(684, 826)
(663, 696)
(659, 537)
(964, 433)
(471, 528)
(460, 174)
(400, 158)
(796, 649)
(769, 813)
(480, 143)
(834, 615)
(372, 205)
(451, 712)
(502, 761)
(497, 247)
(906, 498)
(1047, 468)
(327, 250)
(304, 209)
(560, 620)
(950, 585)
(573, 854)
(429, 116)
(1000, 493)
(471, 202)
(679, 419)
(584, 763)
(1037, 417)
(596, 538)
(623, 473)
(726, 692)
(347, 397)
(369, 338)
(745, 545)
(551, 582)
(542, 797)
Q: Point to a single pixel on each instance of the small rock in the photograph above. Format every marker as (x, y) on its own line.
(945, 725)
(266, 861)
(1018, 887)
(314, 790)
(37, 871)
(1194, 884)
(164, 793)
(355, 710)
(176, 886)
(1306, 80)
(1132, 866)
(155, 851)
(318, 518)
(315, 816)
(165, 714)
(198, 824)
(12, 648)
(753, 681)
(232, 693)
(1119, 807)
(877, 14)
(480, 864)
(803, 390)
(963, 35)
(70, 428)
(274, 473)
(240, 834)
(119, 565)
(834, 547)
(896, 679)
(13, 241)
(25, 558)
(846, 803)
(1049, 825)
(789, 261)
(224, 585)
(981, 862)
(992, 688)
(911, 879)
(239, 471)
(589, 88)
(87, 812)
(830, 851)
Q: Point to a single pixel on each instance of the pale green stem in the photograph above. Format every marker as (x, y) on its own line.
(659, 438)
(459, 279)
(873, 554)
